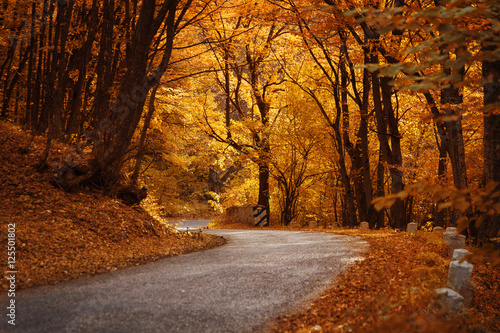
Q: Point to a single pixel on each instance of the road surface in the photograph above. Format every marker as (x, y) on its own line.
(188, 225)
(238, 287)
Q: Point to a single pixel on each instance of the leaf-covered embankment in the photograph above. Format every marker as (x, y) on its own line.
(391, 289)
(61, 236)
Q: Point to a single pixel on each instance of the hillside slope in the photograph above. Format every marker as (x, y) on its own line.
(61, 236)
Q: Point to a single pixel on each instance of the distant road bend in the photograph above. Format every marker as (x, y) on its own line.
(238, 287)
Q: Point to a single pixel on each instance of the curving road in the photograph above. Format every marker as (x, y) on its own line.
(238, 287)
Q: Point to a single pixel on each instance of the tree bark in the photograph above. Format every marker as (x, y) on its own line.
(490, 227)
(142, 139)
(380, 188)
(217, 180)
(114, 132)
(387, 126)
(453, 140)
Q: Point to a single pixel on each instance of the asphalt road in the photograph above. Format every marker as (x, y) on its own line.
(186, 225)
(238, 287)
(194, 223)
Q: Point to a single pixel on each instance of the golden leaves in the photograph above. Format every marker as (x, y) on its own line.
(388, 200)
(481, 199)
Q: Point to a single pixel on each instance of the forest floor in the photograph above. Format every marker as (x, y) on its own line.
(61, 236)
(391, 289)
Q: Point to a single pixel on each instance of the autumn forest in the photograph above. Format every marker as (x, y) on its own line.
(347, 111)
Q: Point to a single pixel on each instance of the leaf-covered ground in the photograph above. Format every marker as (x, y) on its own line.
(62, 236)
(391, 289)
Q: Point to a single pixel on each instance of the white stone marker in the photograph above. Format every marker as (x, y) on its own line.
(364, 225)
(455, 242)
(436, 229)
(313, 224)
(459, 274)
(452, 229)
(447, 300)
(411, 228)
(460, 254)
(449, 233)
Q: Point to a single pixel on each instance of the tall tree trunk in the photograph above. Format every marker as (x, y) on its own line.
(395, 158)
(490, 227)
(38, 84)
(106, 66)
(441, 215)
(31, 64)
(44, 71)
(264, 174)
(115, 132)
(61, 64)
(261, 138)
(142, 139)
(452, 98)
(354, 151)
(452, 140)
(358, 152)
(350, 217)
(380, 188)
(14, 81)
(372, 216)
(119, 128)
(80, 60)
(387, 126)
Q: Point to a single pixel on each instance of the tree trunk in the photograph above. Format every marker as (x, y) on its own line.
(261, 139)
(387, 126)
(288, 200)
(358, 152)
(217, 180)
(15, 79)
(114, 133)
(106, 65)
(31, 64)
(140, 147)
(490, 228)
(380, 189)
(441, 216)
(354, 151)
(264, 179)
(350, 216)
(398, 210)
(453, 137)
